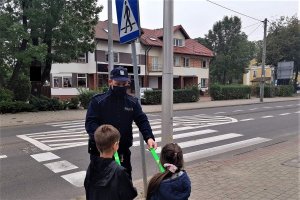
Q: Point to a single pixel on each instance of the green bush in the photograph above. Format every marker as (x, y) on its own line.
(226, 92)
(43, 103)
(6, 95)
(74, 103)
(284, 90)
(269, 91)
(179, 96)
(85, 96)
(15, 106)
(22, 89)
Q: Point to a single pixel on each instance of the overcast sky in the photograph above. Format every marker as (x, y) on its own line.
(198, 16)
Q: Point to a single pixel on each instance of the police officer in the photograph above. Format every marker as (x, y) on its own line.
(119, 109)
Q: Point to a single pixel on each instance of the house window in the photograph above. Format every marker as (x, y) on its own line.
(154, 63)
(81, 80)
(56, 82)
(67, 81)
(176, 61)
(178, 42)
(204, 64)
(254, 73)
(186, 62)
(203, 82)
(116, 57)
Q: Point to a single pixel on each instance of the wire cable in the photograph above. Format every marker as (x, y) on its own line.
(254, 30)
(251, 25)
(235, 11)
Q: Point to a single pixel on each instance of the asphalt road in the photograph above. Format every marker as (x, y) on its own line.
(48, 161)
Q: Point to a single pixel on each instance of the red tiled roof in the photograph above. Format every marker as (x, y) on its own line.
(153, 37)
(100, 32)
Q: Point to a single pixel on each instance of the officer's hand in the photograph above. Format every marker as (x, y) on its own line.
(151, 143)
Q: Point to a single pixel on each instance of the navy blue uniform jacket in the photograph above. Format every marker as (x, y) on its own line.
(106, 108)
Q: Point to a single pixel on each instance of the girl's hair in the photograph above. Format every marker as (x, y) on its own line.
(171, 153)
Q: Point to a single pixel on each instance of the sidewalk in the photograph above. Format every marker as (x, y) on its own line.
(65, 115)
(266, 173)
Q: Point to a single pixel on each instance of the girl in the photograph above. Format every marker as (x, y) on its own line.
(174, 183)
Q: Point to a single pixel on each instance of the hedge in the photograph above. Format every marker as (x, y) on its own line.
(43, 103)
(15, 106)
(6, 95)
(269, 91)
(179, 96)
(284, 90)
(226, 92)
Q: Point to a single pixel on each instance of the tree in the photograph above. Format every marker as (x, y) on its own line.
(40, 32)
(283, 42)
(232, 50)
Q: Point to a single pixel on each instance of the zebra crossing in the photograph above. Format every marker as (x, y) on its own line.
(189, 131)
(72, 133)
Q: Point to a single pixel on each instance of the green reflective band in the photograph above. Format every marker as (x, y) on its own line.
(156, 158)
(117, 159)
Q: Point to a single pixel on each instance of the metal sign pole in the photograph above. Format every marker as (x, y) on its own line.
(137, 94)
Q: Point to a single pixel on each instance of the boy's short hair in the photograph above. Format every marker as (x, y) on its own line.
(105, 137)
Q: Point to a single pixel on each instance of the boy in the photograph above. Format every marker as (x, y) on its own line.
(105, 179)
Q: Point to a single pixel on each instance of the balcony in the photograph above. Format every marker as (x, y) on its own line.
(155, 68)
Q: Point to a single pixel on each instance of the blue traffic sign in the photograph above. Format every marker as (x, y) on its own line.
(128, 20)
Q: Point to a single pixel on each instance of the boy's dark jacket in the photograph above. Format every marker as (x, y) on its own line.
(105, 180)
(178, 188)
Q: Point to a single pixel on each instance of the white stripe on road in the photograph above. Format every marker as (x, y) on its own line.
(219, 113)
(196, 133)
(278, 106)
(74, 126)
(60, 133)
(174, 130)
(268, 116)
(237, 110)
(222, 149)
(60, 166)
(67, 122)
(76, 179)
(63, 136)
(35, 142)
(68, 144)
(297, 112)
(62, 140)
(244, 120)
(267, 107)
(44, 156)
(3, 156)
(284, 114)
(253, 109)
(47, 132)
(197, 142)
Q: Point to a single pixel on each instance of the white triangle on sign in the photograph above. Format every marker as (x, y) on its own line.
(128, 22)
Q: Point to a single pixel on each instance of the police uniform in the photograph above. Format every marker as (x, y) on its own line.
(120, 112)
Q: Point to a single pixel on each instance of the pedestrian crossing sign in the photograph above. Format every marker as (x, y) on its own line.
(128, 20)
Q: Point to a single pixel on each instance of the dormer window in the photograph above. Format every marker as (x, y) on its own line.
(178, 42)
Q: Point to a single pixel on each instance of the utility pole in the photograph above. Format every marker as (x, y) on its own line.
(110, 40)
(167, 82)
(262, 84)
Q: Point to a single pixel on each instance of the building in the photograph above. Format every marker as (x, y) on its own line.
(253, 76)
(191, 62)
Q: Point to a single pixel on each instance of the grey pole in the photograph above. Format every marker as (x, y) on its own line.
(137, 94)
(167, 82)
(262, 85)
(110, 40)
